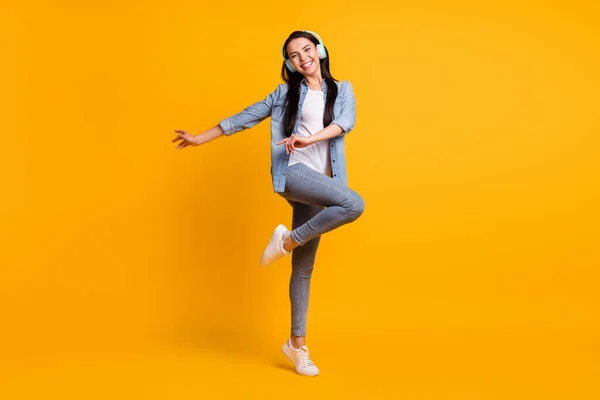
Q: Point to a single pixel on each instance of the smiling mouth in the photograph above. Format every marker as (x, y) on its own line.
(307, 65)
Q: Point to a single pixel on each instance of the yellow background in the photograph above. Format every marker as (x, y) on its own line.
(130, 269)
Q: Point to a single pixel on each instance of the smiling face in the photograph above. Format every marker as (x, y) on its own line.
(304, 56)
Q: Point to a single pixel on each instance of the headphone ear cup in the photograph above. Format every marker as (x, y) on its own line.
(289, 65)
(322, 51)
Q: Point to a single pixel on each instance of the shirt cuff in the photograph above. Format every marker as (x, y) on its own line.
(342, 124)
(227, 127)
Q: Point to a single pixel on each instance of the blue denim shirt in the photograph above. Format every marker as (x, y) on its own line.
(344, 115)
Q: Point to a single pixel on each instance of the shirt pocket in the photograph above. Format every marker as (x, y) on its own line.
(279, 110)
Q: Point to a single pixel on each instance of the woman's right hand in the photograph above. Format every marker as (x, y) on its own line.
(187, 139)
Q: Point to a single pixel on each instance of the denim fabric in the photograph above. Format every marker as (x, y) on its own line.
(344, 113)
(320, 204)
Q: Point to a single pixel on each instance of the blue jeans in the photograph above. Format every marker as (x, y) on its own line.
(320, 204)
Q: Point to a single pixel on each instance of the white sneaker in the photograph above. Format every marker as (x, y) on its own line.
(301, 359)
(275, 250)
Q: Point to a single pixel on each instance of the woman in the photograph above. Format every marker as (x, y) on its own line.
(310, 114)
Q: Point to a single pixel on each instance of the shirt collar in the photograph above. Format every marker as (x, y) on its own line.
(323, 85)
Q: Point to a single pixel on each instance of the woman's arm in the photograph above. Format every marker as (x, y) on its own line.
(245, 119)
(251, 115)
(347, 116)
(187, 139)
(331, 131)
(297, 142)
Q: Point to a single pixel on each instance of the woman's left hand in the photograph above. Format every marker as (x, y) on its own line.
(295, 142)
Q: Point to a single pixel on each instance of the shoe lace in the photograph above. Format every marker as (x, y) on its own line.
(304, 357)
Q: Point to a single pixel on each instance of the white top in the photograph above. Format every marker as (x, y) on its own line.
(315, 156)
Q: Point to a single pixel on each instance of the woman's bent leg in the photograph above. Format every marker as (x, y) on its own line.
(307, 186)
(303, 260)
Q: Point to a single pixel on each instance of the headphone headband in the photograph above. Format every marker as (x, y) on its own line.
(314, 34)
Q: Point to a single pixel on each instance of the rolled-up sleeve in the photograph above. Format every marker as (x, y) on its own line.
(347, 117)
(249, 116)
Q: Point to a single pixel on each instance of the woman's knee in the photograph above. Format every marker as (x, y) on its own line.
(356, 206)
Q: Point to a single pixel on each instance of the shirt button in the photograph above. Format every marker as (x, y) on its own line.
(334, 175)
(333, 160)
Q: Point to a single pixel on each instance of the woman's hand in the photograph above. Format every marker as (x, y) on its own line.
(187, 139)
(295, 142)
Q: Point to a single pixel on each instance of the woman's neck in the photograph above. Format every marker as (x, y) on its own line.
(315, 81)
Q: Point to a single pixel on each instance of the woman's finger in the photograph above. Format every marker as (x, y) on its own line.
(281, 141)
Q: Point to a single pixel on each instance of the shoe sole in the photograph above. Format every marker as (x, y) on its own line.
(294, 362)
